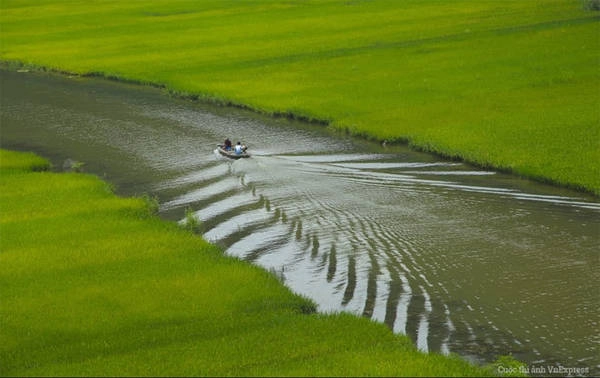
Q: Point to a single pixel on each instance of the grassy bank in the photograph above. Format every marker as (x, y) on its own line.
(95, 285)
(509, 83)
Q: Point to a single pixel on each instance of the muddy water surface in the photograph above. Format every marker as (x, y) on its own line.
(460, 259)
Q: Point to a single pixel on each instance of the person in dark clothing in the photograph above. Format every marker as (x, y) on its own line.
(227, 145)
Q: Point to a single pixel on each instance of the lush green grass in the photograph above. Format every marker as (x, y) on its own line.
(92, 284)
(19, 161)
(506, 83)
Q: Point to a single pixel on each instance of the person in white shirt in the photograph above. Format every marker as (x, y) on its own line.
(238, 149)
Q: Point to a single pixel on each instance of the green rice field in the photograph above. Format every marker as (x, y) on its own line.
(96, 285)
(509, 84)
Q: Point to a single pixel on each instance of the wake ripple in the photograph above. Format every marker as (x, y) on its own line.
(363, 234)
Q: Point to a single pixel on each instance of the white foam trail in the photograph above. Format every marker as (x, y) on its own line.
(257, 240)
(237, 223)
(331, 158)
(227, 204)
(451, 173)
(422, 333)
(197, 176)
(357, 303)
(402, 308)
(385, 165)
(383, 292)
(202, 193)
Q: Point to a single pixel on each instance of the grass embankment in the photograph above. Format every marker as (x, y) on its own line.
(509, 83)
(93, 284)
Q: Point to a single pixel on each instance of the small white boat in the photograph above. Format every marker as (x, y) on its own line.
(231, 153)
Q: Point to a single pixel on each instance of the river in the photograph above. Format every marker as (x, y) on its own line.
(460, 259)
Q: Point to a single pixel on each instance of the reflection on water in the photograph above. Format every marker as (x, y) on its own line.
(460, 259)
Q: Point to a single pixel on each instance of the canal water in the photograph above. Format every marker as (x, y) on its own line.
(460, 259)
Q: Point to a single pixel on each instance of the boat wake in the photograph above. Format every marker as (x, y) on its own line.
(379, 238)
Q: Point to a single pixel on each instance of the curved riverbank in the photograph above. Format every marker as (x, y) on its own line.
(93, 284)
(508, 85)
